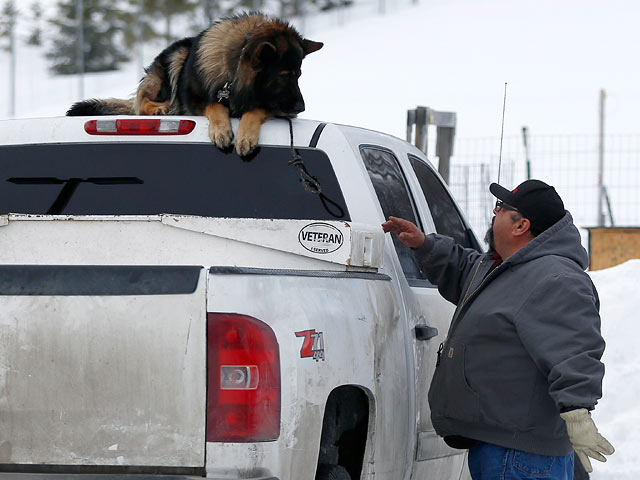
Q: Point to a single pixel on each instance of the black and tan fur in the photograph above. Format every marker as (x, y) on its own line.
(258, 57)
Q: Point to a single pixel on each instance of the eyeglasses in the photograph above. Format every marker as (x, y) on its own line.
(500, 205)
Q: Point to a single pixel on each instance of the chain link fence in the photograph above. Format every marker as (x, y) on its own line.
(568, 162)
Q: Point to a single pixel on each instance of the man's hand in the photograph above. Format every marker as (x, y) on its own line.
(406, 231)
(584, 436)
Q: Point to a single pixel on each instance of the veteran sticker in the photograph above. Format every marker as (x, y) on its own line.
(320, 238)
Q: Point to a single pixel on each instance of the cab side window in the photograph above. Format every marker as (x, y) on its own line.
(393, 194)
(443, 211)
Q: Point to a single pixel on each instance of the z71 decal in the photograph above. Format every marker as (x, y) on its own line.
(312, 345)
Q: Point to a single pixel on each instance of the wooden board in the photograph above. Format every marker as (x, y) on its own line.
(609, 246)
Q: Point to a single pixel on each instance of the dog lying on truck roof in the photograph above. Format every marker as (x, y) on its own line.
(243, 66)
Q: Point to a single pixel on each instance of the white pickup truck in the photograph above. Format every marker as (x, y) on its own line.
(172, 311)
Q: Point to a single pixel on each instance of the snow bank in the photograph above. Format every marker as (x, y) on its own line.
(617, 415)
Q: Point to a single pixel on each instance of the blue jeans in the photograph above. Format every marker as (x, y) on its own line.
(492, 462)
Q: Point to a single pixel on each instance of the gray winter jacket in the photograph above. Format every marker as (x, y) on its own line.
(524, 342)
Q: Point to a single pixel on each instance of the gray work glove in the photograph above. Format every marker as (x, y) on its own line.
(584, 436)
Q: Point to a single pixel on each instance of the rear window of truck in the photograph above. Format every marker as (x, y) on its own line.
(165, 178)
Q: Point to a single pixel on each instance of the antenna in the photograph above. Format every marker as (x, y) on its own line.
(504, 104)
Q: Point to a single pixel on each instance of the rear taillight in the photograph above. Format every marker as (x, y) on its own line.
(243, 399)
(139, 126)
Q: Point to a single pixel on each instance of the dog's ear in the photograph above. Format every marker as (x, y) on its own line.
(309, 46)
(262, 55)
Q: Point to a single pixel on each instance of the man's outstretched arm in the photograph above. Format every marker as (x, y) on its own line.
(406, 231)
(444, 262)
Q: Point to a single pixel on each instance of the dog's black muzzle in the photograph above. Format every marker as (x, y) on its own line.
(298, 107)
(291, 112)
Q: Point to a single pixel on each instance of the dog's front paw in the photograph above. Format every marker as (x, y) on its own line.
(247, 142)
(220, 131)
(220, 135)
(249, 131)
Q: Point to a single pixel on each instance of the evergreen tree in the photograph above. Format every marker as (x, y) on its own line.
(136, 16)
(35, 35)
(166, 12)
(8, 17)
(296, 8)
(103, 24)
(156, 18)
(324, 5)
(244, 6)
(211, 10)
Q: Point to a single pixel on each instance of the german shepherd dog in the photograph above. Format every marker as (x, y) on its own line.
(243, 66)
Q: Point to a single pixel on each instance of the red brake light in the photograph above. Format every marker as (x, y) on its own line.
(243, 399)
(139, 126)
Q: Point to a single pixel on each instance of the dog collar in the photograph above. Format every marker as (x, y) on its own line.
(223, 93)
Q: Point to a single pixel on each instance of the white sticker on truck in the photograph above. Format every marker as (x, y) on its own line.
(320, 238)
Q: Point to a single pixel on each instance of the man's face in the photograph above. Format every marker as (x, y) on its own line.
(502, 225)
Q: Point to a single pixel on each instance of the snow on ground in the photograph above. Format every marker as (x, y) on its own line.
(617, 415)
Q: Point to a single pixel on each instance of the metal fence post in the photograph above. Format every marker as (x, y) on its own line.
(601, 161)
(411, 121)
(445, 123)
(446, 131)
(421, 128)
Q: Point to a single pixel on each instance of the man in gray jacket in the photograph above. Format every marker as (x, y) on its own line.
(520, 368)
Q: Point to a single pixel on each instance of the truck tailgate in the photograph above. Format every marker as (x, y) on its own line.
(103, 345)
(102, 365)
